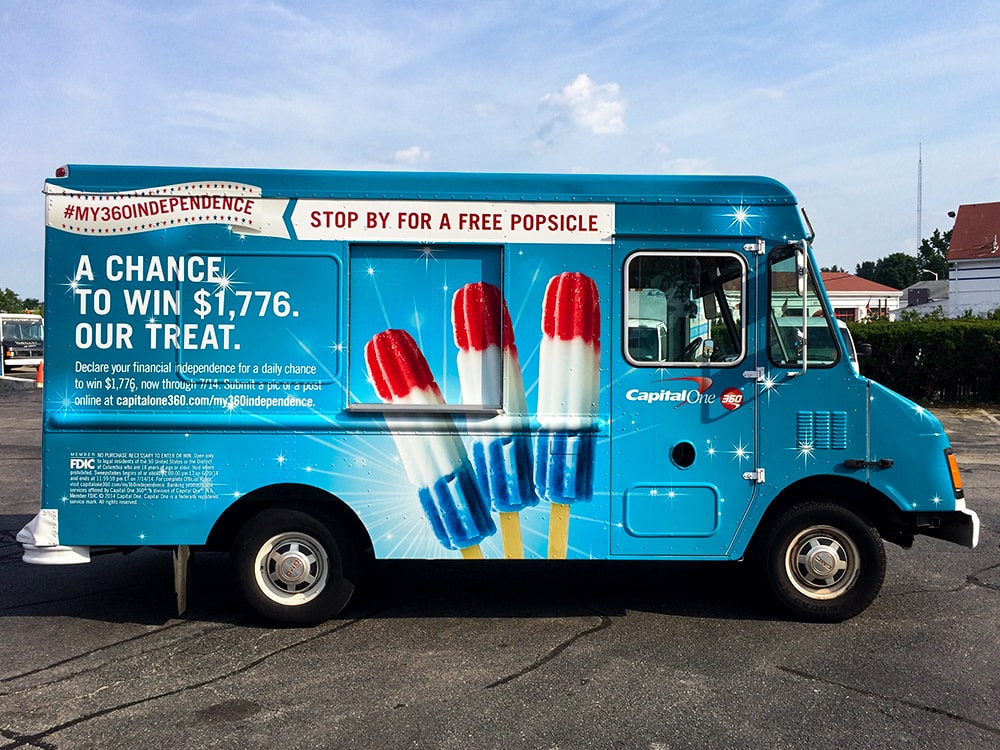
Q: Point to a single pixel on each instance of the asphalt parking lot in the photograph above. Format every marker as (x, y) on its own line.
(533, 655)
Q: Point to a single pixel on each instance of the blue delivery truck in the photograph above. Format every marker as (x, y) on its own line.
(307, 369)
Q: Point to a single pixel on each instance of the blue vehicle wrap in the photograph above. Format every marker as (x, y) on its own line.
(496, 366)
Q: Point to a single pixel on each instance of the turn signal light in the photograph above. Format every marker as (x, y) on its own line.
(956, 476)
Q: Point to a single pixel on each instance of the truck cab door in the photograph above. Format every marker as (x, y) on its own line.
(814, 406)
(683, 443)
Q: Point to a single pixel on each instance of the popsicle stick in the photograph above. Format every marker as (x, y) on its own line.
(472, 553)
(558, 531)
(510, 533)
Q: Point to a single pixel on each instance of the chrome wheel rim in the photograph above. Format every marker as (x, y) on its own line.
(822, 562)
(291, 568)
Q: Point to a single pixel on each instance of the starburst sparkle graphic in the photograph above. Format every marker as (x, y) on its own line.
(740, 217)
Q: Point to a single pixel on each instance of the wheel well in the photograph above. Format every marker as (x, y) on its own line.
(288, 495)
(856, 496)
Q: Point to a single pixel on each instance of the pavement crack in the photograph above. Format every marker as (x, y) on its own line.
(974, 579)
(38, 738)
(605, 622)
(899, 701)
(201, 632)
(23, 741)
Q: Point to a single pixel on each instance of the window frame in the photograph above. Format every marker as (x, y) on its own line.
(725, 311)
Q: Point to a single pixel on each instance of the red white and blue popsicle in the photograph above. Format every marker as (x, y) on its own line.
(569, 385)
(490, 374)
(435, 462)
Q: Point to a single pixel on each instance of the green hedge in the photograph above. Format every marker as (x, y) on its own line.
(944, 361)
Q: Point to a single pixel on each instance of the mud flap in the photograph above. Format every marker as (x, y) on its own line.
(182, 555)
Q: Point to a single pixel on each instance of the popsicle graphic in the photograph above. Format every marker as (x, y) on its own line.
(435, 462)
(490, 373)
(569, 384)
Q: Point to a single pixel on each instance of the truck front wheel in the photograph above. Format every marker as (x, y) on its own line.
(822, 561)
(294, 567)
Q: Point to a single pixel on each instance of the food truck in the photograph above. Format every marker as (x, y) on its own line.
(310, 369)
(23, 334)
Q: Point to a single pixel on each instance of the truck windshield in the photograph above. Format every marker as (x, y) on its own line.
(22, 330)
(784, 329)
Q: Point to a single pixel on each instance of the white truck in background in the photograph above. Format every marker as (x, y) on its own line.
(23, 334)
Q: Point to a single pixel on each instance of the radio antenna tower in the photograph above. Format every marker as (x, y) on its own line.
(920, 194)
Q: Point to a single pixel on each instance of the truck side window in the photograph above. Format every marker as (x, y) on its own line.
(784, 324)
(421, 316)
(684, 309)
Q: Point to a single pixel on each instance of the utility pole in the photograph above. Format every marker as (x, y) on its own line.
(920, 195)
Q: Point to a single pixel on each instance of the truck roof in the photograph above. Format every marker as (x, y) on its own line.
(287, 183)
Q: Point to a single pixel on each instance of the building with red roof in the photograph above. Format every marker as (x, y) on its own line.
(974, 260)
(854, 298)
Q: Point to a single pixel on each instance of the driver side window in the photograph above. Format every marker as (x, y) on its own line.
(788, 311)
(684, 309)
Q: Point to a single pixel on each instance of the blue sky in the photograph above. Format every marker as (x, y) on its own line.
(832, 98)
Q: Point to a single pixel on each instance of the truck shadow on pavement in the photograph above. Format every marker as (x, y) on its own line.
(540, 588)
(138, 588)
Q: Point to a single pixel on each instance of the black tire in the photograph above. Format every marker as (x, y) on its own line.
(823, 562)
(295, 567)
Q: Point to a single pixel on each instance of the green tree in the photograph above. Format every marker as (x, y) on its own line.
(897, 270)
(865, 270)
(10, 302)
(933, 254)
(901, 270)
(832, 269)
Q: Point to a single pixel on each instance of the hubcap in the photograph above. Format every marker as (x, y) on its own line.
(291, 568)
(822, 562)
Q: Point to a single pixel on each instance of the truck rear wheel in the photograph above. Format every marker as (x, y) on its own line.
(822, 561)
(295, 567)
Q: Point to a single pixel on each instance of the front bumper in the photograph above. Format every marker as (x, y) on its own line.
(959, 527)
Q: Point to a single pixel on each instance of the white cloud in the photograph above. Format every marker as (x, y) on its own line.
(411, 157)
(597, 108)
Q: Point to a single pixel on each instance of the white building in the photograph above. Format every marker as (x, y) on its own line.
(854, 298)
(974, 261)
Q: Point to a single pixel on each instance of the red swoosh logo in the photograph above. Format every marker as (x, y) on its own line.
(703, 383)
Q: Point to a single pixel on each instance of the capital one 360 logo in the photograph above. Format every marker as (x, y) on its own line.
(731, 398)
